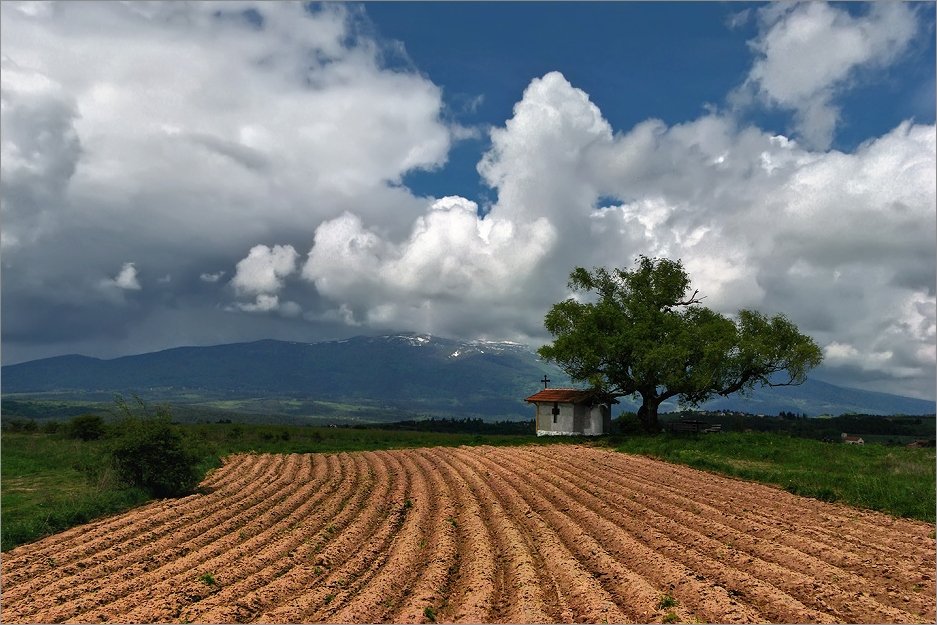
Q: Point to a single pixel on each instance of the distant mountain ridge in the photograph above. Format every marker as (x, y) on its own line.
(418, 373)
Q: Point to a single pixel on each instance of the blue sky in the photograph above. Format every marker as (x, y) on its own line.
(202, 173)
(613, 51)
(636, 60)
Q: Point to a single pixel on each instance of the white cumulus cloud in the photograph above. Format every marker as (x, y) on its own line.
(114, 113)
(265, 302)
(125, 279)
(263, 269)
(809, 53)
(211, 278)
(840, 242)
(451, 255)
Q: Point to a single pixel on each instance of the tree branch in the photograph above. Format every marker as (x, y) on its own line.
(692, 300)
(748, 376)
(790, 382)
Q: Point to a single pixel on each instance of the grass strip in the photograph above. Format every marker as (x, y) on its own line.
(896, 480)
(49, 482)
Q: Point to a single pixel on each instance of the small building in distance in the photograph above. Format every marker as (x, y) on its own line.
(852, 440)
(572, 411)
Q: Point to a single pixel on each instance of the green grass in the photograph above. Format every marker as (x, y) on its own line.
(896, 480)
(666, 601)
(49, 483)
(222, 439)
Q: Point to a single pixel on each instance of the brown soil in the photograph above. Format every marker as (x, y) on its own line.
(563, 533)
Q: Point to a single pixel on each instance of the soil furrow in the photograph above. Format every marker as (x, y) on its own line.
(557, 538)
(659, 570)
(339, 551)
(277, 584)
(145, 553)
(520, 598)
(130, 572)
(779, 565)
(806, 589)
(428, 590)
(407, 557)
(95, 537)
(235, 600)
(71, 547)
(264, 539)
(890, 571)
(626, 579)
(853, 526)
(472, 591)
(747, 520)
(381, 546)
(560, 533)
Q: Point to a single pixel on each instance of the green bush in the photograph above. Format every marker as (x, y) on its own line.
(87, 427)
(149, 452)
(627, 423)
(51, 427)
(19, 425)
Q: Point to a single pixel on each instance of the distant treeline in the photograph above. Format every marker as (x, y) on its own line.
(831, 428)
(47, 416)
(917, 427)
(466, 425)
(30, 409)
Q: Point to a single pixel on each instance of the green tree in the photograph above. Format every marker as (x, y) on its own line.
(645, 334)
(150, 452)
(87, 427)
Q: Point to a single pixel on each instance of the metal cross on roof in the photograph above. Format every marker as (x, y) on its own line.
(545, 380)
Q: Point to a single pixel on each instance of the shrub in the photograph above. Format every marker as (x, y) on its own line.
(19, 425)
(149, 452)
(627, 423)
(87, 427)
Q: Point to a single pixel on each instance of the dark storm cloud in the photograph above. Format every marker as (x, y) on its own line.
(170, 177)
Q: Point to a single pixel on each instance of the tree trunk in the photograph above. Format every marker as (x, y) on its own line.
(647, 414)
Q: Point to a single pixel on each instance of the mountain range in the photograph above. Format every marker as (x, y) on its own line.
(414, 374)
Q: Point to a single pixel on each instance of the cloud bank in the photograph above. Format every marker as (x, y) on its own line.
(842, 243)
(268, 143)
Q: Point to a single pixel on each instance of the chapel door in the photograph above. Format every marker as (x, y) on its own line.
(579, 414)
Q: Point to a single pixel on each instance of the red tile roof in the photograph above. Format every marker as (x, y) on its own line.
(565, 395)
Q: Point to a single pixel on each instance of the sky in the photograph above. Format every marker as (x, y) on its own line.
(201, 173)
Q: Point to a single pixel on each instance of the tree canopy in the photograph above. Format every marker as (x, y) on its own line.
(646, 334)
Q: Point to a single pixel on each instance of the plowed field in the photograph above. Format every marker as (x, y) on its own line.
(557, 533)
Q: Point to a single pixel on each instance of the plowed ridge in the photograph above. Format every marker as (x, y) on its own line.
(563, 533)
